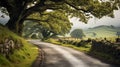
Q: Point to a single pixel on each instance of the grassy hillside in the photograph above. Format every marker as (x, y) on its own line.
(102, 31)
(22, 57)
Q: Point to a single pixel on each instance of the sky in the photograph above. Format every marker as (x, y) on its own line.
(3, 20)
(93, 22)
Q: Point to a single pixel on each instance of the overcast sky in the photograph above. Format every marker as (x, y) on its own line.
(96, 22)
(3, 20)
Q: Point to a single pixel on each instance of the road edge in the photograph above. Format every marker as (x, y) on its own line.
(39, 62)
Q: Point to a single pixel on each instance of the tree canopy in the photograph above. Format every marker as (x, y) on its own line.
(51, 24)
(19, 10)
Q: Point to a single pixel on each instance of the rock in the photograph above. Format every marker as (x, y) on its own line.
(11, 44)
(6, 45)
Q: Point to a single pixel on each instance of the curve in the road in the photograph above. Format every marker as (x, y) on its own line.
(69, 57)
(58, 56)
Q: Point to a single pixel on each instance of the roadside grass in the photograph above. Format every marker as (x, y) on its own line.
(4, 62)
(86, 48)
(21, 57)
(25, 56)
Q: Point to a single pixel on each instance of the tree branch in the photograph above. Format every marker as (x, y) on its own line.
(39, 7)
(75, 7)
(36, 20)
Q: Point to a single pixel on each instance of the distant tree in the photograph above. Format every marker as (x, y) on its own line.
(94, 34)
(77, 33)
(112, 26)
(118, 34)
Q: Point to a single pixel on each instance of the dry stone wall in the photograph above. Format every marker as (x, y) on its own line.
(8, 46)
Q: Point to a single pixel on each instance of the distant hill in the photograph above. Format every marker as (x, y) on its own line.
(102, 31)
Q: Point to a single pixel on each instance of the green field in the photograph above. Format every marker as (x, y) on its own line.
(102, 31)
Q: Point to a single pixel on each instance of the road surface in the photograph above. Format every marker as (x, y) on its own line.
(59, 56)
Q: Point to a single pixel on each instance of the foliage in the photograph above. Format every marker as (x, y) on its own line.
(19, 10)
(77, 33)
(23, 57)
(52, 24)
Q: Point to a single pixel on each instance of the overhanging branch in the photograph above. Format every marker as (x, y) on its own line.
(75, 7)
(36, 20)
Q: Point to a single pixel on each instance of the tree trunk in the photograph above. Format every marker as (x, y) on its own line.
(16, 25)
(12, 25)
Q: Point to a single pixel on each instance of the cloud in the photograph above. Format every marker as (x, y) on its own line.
(96, 22)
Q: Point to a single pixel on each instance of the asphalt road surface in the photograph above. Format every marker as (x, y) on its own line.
(59, 56)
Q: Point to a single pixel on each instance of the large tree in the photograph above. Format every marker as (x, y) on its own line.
(19, 10)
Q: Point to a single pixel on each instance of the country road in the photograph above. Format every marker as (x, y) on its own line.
(59, 56)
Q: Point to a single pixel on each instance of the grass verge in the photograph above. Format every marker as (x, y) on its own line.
(22, 57)
(85, 48)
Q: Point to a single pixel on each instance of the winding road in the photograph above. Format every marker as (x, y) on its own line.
(59, 56)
